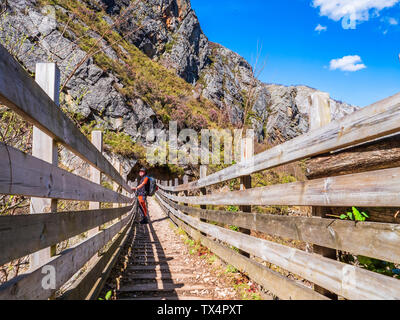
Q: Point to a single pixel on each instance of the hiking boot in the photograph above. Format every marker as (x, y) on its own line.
(144, 221)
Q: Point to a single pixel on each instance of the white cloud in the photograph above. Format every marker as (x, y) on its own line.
(358, 10)
(388, 23)
(319, 28)
(347, 63)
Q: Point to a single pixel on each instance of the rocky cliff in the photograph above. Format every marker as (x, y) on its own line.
(130, 66)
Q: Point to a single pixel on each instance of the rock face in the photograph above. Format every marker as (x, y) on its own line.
(168, 32)
(278, 112)
(290, 109)
(91, 92)
(224, 80)
(32, 36)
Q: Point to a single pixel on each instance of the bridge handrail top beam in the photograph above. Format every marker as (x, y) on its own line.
(379, 188)
(19, 234)
(378, 120)
(23, 174)
(332, 233)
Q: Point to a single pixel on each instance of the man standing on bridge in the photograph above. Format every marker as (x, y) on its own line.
(142, 191)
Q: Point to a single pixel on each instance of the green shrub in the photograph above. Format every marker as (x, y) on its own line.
(121, 143)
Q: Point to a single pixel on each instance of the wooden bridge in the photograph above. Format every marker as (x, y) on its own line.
(90, 261)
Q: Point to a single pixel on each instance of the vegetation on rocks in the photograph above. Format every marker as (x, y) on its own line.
(170, 96)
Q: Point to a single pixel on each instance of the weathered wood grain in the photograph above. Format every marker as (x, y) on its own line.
(90, 283)
(368, 189)
(377, 120)
(19, 92)
(371, 239)
(381, 154)
(29, 285)
(279, 285)
(345, 280)
(320, 115)
(95, 175)
(23, 174)
(22, 235)
(247, 152)
(47, 75)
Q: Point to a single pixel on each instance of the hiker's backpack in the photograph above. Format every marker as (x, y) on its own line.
(151, 187)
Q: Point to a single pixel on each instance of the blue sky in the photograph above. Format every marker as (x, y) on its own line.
(359, 66)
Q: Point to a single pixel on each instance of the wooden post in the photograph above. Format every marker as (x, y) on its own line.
(95, 175)
(45, 148)
(117, 187)
(247, 152)
(176, 183)
(203, 174)
(203, 191)
(186, 181)
(320, 115)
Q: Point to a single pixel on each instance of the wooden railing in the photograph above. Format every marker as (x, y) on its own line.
(376, 188)
(27, 175)
(40, 177)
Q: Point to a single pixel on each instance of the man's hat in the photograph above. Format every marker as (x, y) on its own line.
(143, 170)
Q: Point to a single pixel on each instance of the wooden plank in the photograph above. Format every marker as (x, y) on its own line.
(23, 174)
(203, 191)
(279, 285)
(45, 148)
(29, 286)
(369, 189)
(371, 239)
(90, 283)
(320, 115)
(24, 234)
(320, 110)
(185, 181)
(247, 151)
(163, 286)
(380, 154)
(343, 279)
(19, 92)
(117, 165)
(377, 120)
(162, 276)
(326, 252)
(95, 175)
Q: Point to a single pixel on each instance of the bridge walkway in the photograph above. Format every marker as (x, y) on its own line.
(156, 265)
